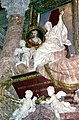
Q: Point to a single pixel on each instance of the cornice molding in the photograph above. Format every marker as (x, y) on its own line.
(14, 7)
(44, 5)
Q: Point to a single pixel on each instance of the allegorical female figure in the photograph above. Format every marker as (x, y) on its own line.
(55, 38)
(52, 50)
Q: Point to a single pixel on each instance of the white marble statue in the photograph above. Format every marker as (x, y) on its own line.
(32, 52)
(61, 95)
(76, 96)
(26, 106)
(57, 106)
(56, 37)
(22, 54)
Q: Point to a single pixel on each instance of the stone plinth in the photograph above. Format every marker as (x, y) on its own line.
(41, 113)
(44, 112)
(71, 116)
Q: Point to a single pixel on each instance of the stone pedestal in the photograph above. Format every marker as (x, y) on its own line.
(71, 116)
(43, 112)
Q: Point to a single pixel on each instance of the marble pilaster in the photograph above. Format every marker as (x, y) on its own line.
(15, 14)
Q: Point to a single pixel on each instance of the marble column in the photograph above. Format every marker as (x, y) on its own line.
(15, 14)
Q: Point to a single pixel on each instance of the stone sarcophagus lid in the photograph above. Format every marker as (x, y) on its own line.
(31, 81)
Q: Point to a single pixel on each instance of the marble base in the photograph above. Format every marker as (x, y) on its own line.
(43, 112)
(71, 116)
